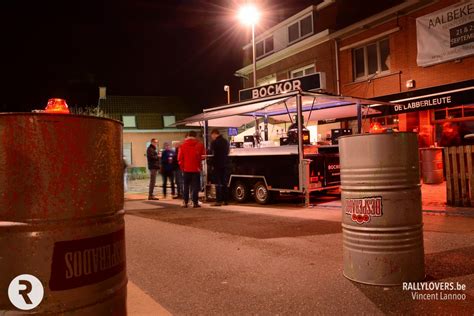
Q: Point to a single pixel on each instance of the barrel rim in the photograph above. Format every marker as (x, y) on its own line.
(431, 148)
(377, 134)
(59, 115)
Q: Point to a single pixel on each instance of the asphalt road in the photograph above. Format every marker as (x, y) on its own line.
(225, 261)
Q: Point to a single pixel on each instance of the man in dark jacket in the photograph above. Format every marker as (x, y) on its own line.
(153, 166)
(178, 174)
(220, 150)
(168, 162)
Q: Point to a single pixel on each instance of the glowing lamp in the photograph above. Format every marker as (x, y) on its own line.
(249, 14)
(57, 106)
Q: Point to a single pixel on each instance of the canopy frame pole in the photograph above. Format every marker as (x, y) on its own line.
(359, 118)
(288, 111)
(311, 111)
(265, 126)
(206, 135)
(204, 161)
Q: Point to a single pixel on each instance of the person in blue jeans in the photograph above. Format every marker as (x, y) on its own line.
(153, 166)
(190, 156)
(178, 174)
(168, 162)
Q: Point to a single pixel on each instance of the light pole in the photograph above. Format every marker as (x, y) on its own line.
(250, 15)
(227, 89)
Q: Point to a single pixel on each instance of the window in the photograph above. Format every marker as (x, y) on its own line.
(168, 120)
(390, 121)
(306, 25)
(303, 71)
(129, 121)
(461, 112)
(127, 152)
(264, 47)
(371, 59)
(300, 29)
(266, 80)
(293, 32)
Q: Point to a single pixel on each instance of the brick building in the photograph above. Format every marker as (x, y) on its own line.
(372, 54)
(379, 60)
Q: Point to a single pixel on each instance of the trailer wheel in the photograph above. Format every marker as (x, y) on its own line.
(261, 193)
(240, 192)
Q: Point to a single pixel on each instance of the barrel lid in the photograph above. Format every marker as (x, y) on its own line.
(59, 115)
(377, 134)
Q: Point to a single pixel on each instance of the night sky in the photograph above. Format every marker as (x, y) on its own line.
(189, 48)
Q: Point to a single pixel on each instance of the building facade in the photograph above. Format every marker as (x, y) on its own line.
(144, 118)
(378, 53)
(384, 61)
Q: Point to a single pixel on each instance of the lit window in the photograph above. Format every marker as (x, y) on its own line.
(303, 71)
(371, 59)
(300, 29)
(264, 47)
(129, 121)
(168, 120)
(127, 152)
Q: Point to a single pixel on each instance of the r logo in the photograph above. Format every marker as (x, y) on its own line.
(25, 292)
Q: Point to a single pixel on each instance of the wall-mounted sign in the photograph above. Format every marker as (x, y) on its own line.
(311, 82)
(432, 102)
(446, 34)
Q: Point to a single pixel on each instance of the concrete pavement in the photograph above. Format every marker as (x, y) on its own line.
(141, 304)
(433, 198)
(279, 259)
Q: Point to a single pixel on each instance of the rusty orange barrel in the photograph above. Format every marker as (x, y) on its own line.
(381, 208)
(432, 165)
(61, 212)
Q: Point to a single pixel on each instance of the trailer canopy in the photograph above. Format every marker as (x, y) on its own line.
(315, 106)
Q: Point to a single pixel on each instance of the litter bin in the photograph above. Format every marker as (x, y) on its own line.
(381, 208)
(432, 165)
(61, 212)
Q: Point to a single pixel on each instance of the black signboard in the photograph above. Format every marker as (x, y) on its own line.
(306, 83)
(432, 102)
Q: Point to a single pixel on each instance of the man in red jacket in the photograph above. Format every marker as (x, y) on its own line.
(190, 155)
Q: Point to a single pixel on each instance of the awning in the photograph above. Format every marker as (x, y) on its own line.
(315, 106)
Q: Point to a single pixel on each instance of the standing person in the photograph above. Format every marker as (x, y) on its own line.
(168, 161)
(125, 174)
(190, 155)
(220, 150)
(450, 135)
(178, 174)
(153, 166)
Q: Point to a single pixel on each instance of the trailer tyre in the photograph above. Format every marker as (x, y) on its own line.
(240, 192)
(261, 193)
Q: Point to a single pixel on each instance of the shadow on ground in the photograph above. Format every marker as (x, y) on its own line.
(440, 267)
(236, 223)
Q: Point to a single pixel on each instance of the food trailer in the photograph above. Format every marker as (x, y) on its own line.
(260, 167)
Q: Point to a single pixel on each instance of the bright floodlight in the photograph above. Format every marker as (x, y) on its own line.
(249, 15)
